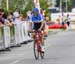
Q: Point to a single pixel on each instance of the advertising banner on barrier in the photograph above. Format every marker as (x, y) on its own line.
(20, 35)
(55, 16)
(23, 32)
(6, 36)
(1, 38)
(26, 31)
(37, 4)
(17, 30)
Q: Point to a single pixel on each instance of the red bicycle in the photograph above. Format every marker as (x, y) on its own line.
(37, 45)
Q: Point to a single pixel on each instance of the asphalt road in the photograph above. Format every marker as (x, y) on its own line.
(59, 49)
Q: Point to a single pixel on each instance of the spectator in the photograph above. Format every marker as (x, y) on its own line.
(1, 17)
(62, 19)
(16, 17)
(10, 17)
(6, 21)
(7, 24)
(42, 11)
(16, 14)
(58, 19)
(21, 17)
(68, 20)
(17, 28)
(28, 15)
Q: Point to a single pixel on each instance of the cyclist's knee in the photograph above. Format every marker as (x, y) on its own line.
(42, 32)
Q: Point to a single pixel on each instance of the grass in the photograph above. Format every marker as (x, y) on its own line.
(1, 31)
(12, 30)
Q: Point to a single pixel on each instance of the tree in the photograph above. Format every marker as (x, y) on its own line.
(71, 4)
(44, 5)
(19, 4)
(57, 3)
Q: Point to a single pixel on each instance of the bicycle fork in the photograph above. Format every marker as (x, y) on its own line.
(38, 42)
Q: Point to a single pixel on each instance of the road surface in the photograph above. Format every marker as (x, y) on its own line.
(59, 49)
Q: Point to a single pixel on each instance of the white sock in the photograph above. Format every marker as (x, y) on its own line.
(43, 48)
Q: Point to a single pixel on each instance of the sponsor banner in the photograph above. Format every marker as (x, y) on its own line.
(26, 31)
(72, 25)
(22, 32)
(17, 30)
(55, 17)
(6, 36)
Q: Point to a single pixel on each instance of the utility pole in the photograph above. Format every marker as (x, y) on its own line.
(66, 5)
(60, 6)
(0, 3)
(61, 11)
(7, 4)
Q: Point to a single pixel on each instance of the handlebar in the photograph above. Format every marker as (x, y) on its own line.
(34, 31)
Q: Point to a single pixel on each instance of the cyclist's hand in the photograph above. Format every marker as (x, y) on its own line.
(39, 29)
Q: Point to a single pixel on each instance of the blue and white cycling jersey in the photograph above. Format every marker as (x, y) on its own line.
(39, 18)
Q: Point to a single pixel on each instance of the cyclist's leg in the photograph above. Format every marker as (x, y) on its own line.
(42, 38)
(33, 28)
(42, 41)
(36, 27)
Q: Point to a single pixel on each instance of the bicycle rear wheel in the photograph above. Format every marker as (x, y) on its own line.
(36, 52)
(42, 55)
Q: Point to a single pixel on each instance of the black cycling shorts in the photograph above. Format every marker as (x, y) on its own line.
(37, 26)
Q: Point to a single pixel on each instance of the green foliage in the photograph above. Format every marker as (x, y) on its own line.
(71, 4)
(19, 4)
(44, 5)
(29, 7)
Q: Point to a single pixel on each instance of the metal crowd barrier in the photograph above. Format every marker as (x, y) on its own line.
(14, 35)
(72, 25)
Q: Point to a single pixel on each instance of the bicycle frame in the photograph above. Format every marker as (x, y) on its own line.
(37, 45)
(38, 41)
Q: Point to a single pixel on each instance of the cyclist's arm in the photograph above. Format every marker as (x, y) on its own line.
(42, 21)
(42, 24)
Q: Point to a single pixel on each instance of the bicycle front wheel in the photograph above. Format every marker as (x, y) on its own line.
(36, 52)
(42, 55)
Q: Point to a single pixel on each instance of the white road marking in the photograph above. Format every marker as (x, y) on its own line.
(15, 62)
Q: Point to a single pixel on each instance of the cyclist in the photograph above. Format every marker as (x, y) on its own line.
(36, 20)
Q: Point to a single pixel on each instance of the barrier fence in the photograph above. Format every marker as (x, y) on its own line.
(72, 25)
(14, 35)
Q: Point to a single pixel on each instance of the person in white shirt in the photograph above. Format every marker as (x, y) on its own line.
(68, 20)
(6, 28)
(17, 28)
(16, 17)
